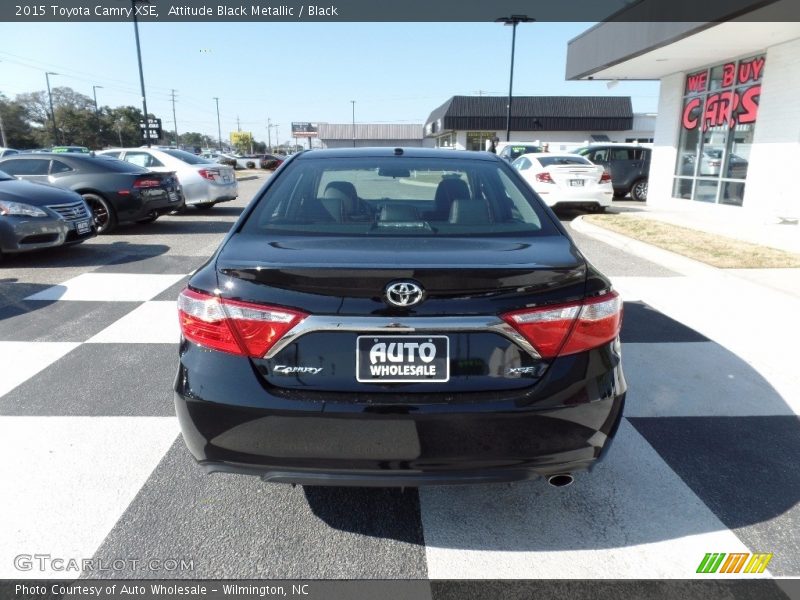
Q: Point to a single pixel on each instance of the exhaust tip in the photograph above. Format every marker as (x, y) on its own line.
(560, 480)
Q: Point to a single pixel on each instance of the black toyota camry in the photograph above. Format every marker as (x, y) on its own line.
(398, 317)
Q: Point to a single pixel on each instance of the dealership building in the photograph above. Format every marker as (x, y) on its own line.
(563, 122)
(728, 124)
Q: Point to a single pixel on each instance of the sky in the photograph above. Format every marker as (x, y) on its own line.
(396, 72)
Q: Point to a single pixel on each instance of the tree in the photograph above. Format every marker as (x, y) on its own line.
(120, 126)
(17, 129)
(242, 141)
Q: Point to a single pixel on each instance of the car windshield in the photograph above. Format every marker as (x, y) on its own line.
(547, 161)
(186, 157)
(399, 196)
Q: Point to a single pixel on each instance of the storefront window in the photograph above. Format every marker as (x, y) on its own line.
(717, 121)
(476, 140)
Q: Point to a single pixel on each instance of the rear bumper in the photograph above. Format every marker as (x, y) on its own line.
(232, 421)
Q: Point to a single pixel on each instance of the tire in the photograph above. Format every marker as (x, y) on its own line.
(204, 206)
(639, 190)
(599, 209)
(149, 218)
(105, 218)
(250, 165)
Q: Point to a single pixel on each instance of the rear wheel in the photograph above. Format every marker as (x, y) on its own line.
(204, 206)
(639, 190)
(251, 165)
(105, 218)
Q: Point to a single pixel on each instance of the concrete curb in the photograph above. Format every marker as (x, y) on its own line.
(667, 259)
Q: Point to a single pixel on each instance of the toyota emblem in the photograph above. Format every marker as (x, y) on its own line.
(404, 293)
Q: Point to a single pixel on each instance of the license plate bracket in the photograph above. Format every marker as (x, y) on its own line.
(82, 227)
(402, 359)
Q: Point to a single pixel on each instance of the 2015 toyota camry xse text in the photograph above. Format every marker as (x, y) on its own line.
(398, 317)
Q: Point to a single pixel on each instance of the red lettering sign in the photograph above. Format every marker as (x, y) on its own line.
(750, 71)
(728, 74)
(697, 82)
(690, 112)
(730, 107)
(750, 99)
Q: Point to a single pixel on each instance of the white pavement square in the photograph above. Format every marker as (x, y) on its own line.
(151, 323)
(632, 517)
(22, 360)
(109, 287)
(78, 476)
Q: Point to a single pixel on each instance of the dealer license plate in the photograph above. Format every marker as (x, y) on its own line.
(173, 197)
(83, 227)
(402, 358)
(576, 182)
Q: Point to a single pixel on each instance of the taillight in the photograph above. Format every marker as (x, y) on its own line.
(605, 177)
(145, 182)
(210, 174)
(569, 328)
(230, 326)
(544, 177)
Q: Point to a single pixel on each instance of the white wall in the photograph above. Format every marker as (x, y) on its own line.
(775, 155)
(665, 140)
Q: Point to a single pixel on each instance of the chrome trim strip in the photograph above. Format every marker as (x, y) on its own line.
(392, 325)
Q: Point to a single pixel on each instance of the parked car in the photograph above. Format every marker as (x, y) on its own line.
(203, 183)
(74, 149)
(566, 180)
(34, 216)
(355, 329)
(117, 192)
(628, 165)
(511, 151)
(221, 158)
(7, 152)
(711, 160)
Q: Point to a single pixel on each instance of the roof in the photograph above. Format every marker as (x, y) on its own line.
(533, 113)
(370, 131)
(406, 152)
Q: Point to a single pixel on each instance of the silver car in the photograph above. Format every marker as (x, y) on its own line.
(204, 182)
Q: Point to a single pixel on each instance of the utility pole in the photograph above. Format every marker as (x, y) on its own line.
(238, 124)
(219, 126)
(353, 102)
(175, 120)
(269, 134)
(141, 70)
(52, 112)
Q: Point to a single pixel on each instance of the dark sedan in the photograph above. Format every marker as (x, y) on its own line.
(399, 317)
(116, 191)
(34, 216)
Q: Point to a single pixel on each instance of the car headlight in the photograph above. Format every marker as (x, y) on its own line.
(18, 209)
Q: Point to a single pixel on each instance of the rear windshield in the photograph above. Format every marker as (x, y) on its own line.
(517, 151)
(110, 163)
(186, 157)
(399, 196)
(548, 161)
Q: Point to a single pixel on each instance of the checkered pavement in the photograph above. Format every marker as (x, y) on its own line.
(704, 461)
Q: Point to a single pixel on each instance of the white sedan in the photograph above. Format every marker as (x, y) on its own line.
(204, 183)
(566, 180)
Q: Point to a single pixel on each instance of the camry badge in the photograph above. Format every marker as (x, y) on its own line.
(404, 293)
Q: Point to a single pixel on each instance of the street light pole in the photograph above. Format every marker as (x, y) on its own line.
(219, 126)
(52, 112)
(94, 93)
(353, 102)
(141, 71)
(513, 20)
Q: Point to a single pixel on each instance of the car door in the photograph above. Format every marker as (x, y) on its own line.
(624, 166)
